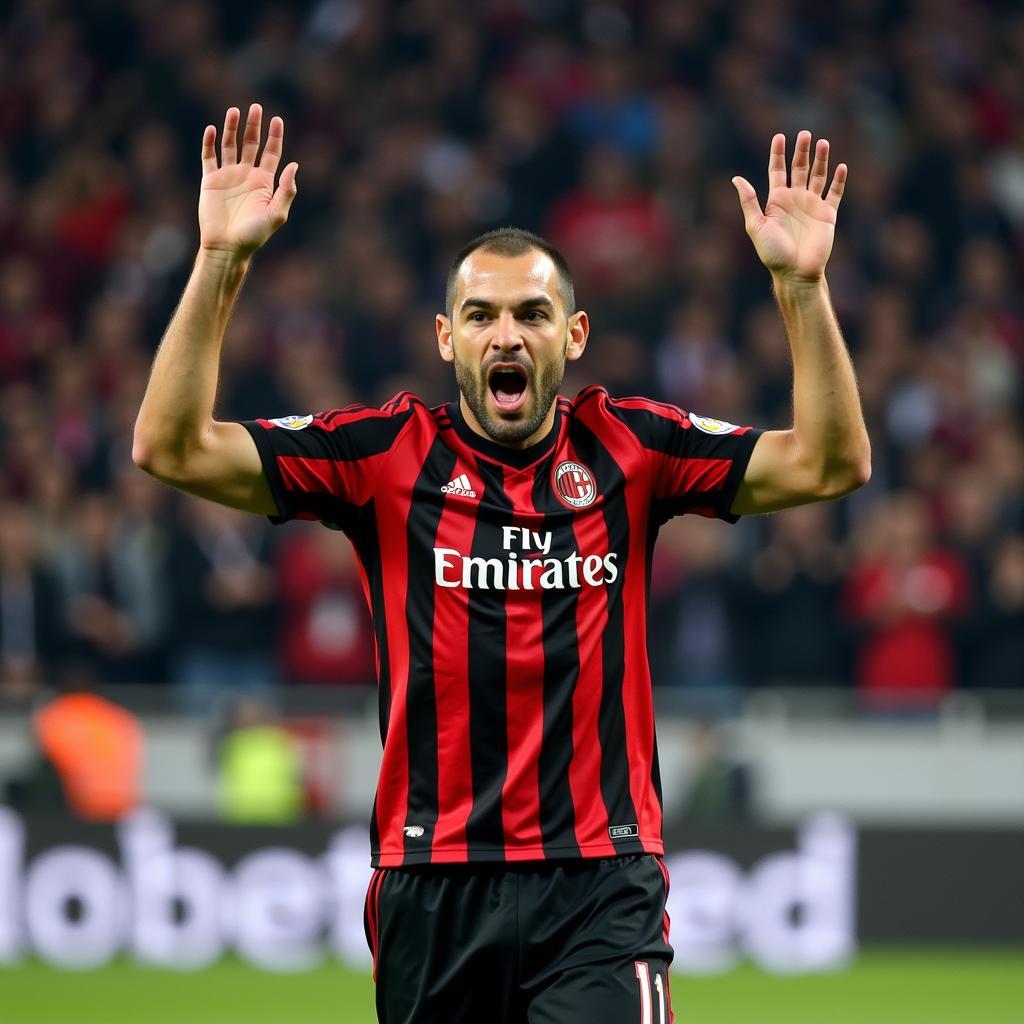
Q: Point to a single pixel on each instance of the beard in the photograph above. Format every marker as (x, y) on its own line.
(542, 392)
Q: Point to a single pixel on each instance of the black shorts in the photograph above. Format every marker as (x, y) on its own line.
(566, 942)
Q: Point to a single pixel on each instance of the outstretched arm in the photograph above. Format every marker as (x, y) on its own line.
(177, 439)
(826, 453)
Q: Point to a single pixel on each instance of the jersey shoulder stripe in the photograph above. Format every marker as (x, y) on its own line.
(653, 424)
(696, 463)
(336, 455)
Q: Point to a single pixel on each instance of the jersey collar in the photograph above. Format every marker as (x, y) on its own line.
(518, 457)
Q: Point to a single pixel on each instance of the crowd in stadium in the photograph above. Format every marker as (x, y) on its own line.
(613, 129)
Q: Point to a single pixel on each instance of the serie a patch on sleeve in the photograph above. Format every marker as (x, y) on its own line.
(712, 426)
(293, 422)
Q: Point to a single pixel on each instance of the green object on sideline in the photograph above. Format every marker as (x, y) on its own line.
(885, 986)
(261, 777)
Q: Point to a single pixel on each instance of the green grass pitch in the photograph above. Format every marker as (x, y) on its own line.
(890, 986)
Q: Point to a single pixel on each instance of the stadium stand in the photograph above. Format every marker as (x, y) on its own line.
(417, 125)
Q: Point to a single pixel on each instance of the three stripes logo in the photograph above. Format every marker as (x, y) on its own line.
(460, 486)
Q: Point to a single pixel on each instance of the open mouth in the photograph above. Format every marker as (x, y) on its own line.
(508, 384)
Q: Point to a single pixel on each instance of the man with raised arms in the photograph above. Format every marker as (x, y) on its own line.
(505, 542)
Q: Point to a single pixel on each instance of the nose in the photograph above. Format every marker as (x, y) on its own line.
(506, 333)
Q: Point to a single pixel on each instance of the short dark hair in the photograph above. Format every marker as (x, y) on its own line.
(512, 242)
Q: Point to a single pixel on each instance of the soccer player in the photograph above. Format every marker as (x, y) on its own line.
(504, 541)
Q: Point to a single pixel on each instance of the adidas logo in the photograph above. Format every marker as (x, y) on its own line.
(459, 486)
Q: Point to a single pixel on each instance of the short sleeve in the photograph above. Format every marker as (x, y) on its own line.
(321, 466)
(697, 462)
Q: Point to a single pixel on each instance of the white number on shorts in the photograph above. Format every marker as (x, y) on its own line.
(643, 975)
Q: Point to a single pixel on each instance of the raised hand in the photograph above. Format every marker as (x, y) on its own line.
(239, 208)
(793, 234)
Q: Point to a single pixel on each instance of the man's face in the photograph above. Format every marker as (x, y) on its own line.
(509, 337)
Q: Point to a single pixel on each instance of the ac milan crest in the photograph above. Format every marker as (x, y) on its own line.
(574, 484)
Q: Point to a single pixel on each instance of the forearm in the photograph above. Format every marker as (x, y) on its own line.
(828, 424)
(177, 410)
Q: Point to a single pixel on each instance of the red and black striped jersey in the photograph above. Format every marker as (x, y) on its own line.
(508, 589)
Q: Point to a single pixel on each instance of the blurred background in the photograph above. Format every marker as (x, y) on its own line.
(864, 658)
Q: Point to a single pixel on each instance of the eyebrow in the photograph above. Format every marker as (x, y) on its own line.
(538, 301)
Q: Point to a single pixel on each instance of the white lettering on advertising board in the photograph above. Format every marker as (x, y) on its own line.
(283, 910)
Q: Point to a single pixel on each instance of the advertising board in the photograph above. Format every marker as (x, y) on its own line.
(284, 899)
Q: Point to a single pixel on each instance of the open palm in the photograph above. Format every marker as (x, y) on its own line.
(793, 234)
(239, 208)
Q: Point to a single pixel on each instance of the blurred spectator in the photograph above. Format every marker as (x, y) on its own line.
(995, 639)
(53, 496)
(719, 790)
(969, 512)
(1002, 459)
(31, 633)
(325, 629)
(608, 223)
(111, 593)
(75, 414)
(39, 254)
(28, 331)
(93, 204)
(766, 356)
(89, 760)
(224, 604)
(143, 534)
(260, 779)
(790, 590)
(248, 384)
(533, 149)
(695, 644)
(694, 355)
(374, 326)
(614, 111)
(903, 593)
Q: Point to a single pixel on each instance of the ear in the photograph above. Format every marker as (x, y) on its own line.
(443, 326)
(579, 331)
